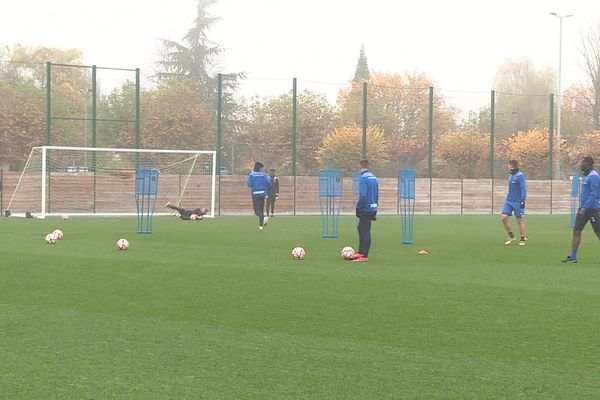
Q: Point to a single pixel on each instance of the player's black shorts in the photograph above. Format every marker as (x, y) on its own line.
(592, 215)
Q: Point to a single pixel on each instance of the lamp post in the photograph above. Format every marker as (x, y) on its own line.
(559, 96)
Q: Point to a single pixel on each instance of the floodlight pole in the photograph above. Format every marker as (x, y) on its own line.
(559, 94)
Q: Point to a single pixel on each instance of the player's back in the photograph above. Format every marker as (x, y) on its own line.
(259, 182)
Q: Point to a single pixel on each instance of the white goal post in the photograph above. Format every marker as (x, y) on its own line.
(59, 180)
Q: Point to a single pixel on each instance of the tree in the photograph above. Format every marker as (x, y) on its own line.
(21, 122)
(174, 117)
(407, 152)
(587, 144)
(464, 153)
(28, 64)
(362, 68)
(522, 100)
(118, 105)
(196, 55)
(344, 146)
(531, 149)
(477, 121)
(589, 50)
(22, 100)
(264, 131)
(576, 117)
(399, 104)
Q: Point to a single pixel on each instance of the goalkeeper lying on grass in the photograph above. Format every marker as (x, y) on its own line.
(194, 215)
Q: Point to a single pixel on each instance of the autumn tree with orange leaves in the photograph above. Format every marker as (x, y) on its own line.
(344, 146)
(531, 150)
(463, 154)
(398, 104)
(587, 144)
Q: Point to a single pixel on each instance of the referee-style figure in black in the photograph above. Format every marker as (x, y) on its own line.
(273, 193)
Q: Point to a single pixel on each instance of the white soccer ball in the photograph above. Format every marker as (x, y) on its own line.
(58, 234)
(347, 252)
(63, 217)
(298, 253)
(50, 238)
(122, 244)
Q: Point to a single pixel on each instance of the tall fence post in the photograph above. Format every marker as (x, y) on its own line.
(492, 134)
(551, 139)
(48, 104)
(94, 127)
(551, 151)
(218, 140)
(364, 121)
(294, 129)
(138, 124)
(492, 130)
(430, 160)
(48, 131)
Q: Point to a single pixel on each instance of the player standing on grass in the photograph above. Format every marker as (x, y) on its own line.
(515, 202)
(366, 209)
(589, 206)
(273, 193)
(260, 184)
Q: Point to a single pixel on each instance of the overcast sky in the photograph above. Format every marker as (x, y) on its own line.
(459, 43)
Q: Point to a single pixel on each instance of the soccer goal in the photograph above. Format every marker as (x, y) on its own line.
(101, 181)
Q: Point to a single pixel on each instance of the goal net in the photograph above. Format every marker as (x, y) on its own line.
(101, 181)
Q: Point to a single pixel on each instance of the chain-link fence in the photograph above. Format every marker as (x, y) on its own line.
(458, 142)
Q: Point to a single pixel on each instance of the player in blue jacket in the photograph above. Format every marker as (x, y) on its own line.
(515, 202)
(589, 206)
(366, 209)
(260, 184)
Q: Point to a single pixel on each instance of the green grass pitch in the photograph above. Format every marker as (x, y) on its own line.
(218, 310)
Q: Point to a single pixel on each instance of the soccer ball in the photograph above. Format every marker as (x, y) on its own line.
(50, 238)
(347, 252)
(194, 217)
(122, 244)
(298, 253)
(63, 217)
(58, 234)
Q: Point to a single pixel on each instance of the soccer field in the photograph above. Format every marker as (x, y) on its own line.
(218, 310)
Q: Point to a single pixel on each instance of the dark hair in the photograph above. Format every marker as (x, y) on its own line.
(513, 163)
(258, 166)
(364, 163)
(588, 160)
(271, 170)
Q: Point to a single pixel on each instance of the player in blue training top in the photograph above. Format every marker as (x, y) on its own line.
(515, 202)
(366, 209)
(260, 184)
(589, 206)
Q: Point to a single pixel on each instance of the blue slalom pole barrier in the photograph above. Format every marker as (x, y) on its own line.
(575, 191)
(330, 199)
(355, 190)
(406, 196)
(146, 190)
(355, 183)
